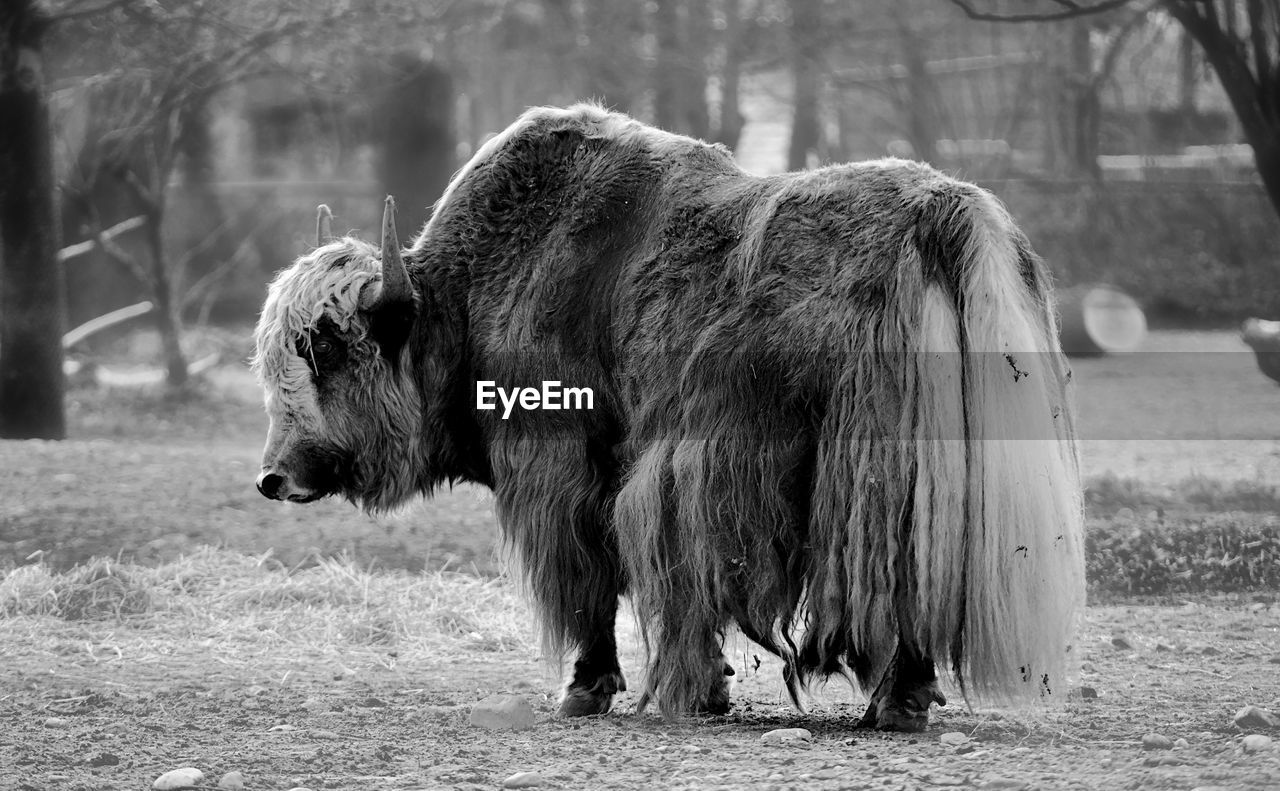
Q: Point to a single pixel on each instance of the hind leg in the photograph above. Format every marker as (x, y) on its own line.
(597, 677)
(901, 700)
(698, 684)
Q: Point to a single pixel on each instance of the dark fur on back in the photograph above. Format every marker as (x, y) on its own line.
(751, 341)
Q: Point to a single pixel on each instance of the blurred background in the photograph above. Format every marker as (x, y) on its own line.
(161, 159)
(220, 124)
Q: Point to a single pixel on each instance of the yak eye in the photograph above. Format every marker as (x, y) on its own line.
(322, 351)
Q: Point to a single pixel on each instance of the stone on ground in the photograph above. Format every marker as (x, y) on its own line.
(1155, 741)
(1256, 743)
(231, 781)
(1252, 717)
(503, 713)
(523, 780)
(785, 735)
(178, 778)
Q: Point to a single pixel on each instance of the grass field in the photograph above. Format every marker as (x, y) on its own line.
(146, 477)
(269, 657)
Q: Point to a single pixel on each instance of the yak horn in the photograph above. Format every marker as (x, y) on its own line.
(395, 278)
(324, 225)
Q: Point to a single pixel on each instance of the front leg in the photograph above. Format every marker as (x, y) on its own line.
(597, 676)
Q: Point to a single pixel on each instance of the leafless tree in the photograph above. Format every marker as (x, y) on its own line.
(1240, 40)
(32, 313)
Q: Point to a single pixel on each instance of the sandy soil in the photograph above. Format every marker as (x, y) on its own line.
(78, 716)
(80, 719)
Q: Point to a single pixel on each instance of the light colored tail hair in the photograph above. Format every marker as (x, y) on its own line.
(997, 535)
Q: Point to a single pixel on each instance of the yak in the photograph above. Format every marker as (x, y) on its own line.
(830, 410)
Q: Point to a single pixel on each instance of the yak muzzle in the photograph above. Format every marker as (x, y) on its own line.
(274, 486)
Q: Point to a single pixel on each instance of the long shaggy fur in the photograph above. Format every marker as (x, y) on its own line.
(830, 406)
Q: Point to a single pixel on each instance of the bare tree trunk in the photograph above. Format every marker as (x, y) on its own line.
(729, 126)
(922, 100)
(416, 127)
(805, 30)
(666, 73)
(1072, 107)
(693, 63)
(32, 311)
(1086, 118)
(164, 294)
(1253, 88)
(610, 62)
(1186, 73)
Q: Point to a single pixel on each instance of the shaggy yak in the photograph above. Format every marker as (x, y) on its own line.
(829, 410)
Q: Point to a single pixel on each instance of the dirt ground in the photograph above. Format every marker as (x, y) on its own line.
(77, 715)
(87, 720)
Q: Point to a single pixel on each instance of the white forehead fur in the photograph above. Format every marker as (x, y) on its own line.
(328, 282)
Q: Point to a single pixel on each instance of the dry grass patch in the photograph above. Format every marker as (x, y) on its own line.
(221, 610)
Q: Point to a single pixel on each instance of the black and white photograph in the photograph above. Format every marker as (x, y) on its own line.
(639, 394)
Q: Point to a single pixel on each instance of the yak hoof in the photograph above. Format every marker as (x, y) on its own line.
(584, 701)
(717, 701)
(907, 713)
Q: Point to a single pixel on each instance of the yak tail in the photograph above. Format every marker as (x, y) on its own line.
(996, 531)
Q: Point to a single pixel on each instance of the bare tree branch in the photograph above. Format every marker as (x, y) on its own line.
(101, 8)
(80, 248)
(1070, 10)
(1116, 45)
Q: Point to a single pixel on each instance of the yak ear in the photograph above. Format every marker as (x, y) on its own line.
(390, 323)
(392, 309)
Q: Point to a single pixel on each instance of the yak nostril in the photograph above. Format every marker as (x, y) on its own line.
(269, 485)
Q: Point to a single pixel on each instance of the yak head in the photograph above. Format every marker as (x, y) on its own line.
(334, 364)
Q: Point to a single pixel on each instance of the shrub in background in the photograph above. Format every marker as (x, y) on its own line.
(1218, 553)
(1195, 250)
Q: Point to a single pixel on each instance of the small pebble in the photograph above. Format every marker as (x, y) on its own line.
(232, 781)
(523, 780)
(785, 735)
(55, 722)
(1155, 741)
(1003, 784)
(1122, 642)
(178, 778)
(954, 738)
(1252, 718)
(1181, 744)
(1256, 743)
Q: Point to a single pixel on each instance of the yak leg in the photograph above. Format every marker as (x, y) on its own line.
(901, 700)
(703, 691)
(716, 699)
(597, 676)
